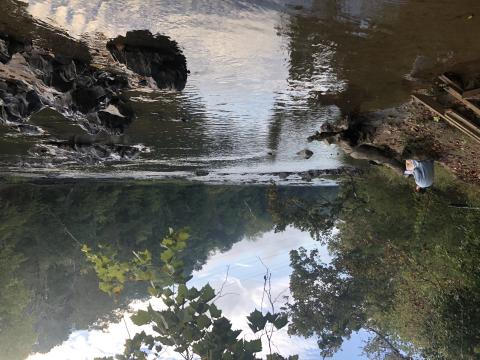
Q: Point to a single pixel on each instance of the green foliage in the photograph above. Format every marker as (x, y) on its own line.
(191, 323)
(39, 219)
(405, 267)
(257, 321)
(113, 273)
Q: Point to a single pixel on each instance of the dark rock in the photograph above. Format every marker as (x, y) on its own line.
(86, 99)
(64, 74)
(34, 102)
(155, 56)
(4, 54)
(116, 117)
(42, 66)
(87, 150)
(306, 154)
(15, 97)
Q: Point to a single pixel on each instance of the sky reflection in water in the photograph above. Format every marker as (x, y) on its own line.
(243, 293)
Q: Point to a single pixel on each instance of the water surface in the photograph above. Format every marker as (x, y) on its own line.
(264, 76)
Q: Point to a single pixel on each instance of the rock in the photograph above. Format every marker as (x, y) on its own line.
(4, 54)
(116, 117)
(154, 56)
(340, 125)
(80, 79)
(86, 150)
(306, 154)
(17, 101)
(86, 99)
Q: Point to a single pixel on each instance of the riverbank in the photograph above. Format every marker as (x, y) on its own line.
(393, 135)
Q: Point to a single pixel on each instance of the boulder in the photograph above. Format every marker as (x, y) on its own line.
(155, 56)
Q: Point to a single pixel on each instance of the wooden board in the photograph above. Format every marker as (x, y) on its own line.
(463, 126)
(450, 116)
(451, 83)
(474, 93)
(464, 101)
(431, 104)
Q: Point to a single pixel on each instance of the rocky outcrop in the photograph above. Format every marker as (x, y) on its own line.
(151, 56)
(82, 80)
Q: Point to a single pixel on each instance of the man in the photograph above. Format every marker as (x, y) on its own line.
(422, 171)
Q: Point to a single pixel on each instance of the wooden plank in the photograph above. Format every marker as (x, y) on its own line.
(431, 104)
(454, 123)
(465, 122)
(471, 93)
(451, 83)
(450, 116)
(464, 101)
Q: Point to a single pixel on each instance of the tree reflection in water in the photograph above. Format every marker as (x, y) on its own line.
(405, 268)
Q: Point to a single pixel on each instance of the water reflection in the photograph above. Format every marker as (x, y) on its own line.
(266, 74)
(404, 267)
(223, 120)
(45, 224)
(372, 261)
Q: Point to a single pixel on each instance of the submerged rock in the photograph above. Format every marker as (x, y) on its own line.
(87, 150)
(306, 154)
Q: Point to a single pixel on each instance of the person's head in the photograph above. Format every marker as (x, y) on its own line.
(409, 166)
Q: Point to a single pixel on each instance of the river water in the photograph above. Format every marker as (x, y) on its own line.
(264, 76)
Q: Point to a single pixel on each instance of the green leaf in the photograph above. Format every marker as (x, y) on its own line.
(281, 321)
(253, 346)
(167, 292)
(203, 322)
(183, 235)
(207, 293)
(167, 255)
(181, 293)
(271, 317)
(193, 293)
(256, 321)
(214, 311)
(141, 318)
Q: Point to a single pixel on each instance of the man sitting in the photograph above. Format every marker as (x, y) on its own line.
(422, 171)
